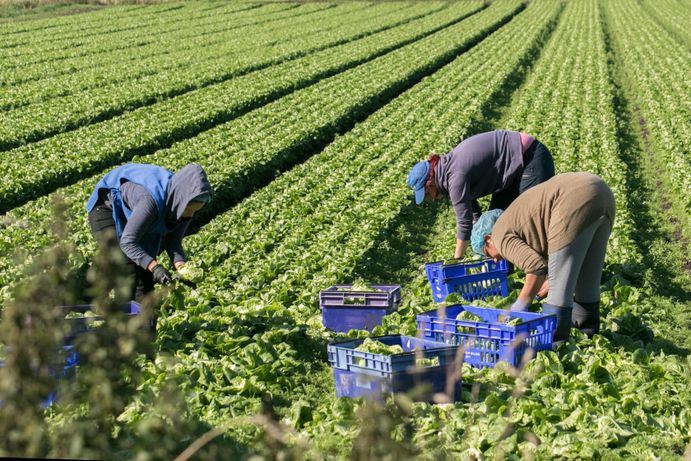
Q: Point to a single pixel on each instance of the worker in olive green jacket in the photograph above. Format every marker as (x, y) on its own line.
(555, 232)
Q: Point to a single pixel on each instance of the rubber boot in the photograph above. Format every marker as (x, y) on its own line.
(561, 333)
(586, 317)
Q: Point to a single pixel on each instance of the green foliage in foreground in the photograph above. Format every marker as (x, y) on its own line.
(619, 395)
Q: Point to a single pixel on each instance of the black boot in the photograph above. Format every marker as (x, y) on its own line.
(561, 333)
(586, 317)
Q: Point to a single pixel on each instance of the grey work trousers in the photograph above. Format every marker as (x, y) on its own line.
(575, 270)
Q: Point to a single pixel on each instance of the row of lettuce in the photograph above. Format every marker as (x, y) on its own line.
(239, 153)
(216, 60)
(59, 43)
(656, 65)
(106, 19)
(126, 63)
(66, 158)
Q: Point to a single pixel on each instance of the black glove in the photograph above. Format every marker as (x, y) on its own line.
(161, 275)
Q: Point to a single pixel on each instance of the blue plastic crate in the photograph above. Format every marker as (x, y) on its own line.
(343, 311)
(63, 374)
(363, 374)
(64, 378)
(68, 355)
(462, 279)
(488, 342)
(81, 325)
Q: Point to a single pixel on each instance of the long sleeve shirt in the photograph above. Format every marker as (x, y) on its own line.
(481, 165)
(144, 214)
(547, 217)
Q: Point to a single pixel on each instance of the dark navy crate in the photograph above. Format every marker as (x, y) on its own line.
(68, 355)
(63, 374)
(364, 374)
(80, 325)
(343, 311)
(461, 278)
(491, 341)
(64, 377)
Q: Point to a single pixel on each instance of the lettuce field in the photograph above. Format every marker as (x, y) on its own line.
(307, 117)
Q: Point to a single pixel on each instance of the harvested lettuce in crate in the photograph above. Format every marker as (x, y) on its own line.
(80, 315)
(453, 262)
(376, 347)
(470, 317)
(359, 285)
(427, 361)
(511, 322)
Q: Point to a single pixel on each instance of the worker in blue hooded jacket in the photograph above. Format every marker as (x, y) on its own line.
(149, 209)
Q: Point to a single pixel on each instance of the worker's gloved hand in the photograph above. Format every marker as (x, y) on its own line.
(519, 306)
(161, 275)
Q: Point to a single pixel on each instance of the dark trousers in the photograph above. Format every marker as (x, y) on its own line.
(538, 167)
(102, 224)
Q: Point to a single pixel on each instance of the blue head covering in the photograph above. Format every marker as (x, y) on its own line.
(417, 179)
(483, 227)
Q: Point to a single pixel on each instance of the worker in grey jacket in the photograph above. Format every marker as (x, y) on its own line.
(149, 209)
(502, 163)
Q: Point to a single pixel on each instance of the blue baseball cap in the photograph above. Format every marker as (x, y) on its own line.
(482, 227)
(417, 179)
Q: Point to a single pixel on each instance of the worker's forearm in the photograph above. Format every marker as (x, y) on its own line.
(533, 283)
(461, 246)
(544, 290)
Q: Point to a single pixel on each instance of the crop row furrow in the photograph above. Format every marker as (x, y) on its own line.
(182, 41)
(242, 152)
(96, 19)
(205, 51)
(657, 67)
(573, 119)
(20, 67)
(674, 16)
(84, 26)
(39, 45)
(67, 157)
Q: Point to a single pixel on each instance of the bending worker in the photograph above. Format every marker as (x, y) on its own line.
(502, 163)
(557, 230)
(148, 208)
